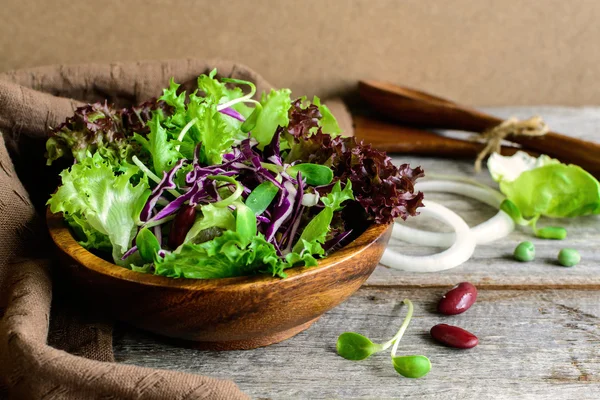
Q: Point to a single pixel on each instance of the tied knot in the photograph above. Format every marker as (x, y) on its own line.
(493, 137)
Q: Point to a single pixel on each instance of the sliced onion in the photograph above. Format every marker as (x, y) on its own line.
(459, 252)
(495, 228)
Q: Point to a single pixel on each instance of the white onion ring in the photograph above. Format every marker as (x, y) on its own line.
(460, 251)
(495, 228)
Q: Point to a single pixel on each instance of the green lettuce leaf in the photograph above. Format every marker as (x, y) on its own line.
(337, 196)
(328, 123)
(275, 107)
(161, 149)
(93, 196)
(220, 93)
(545, 187)
(201, 122)
(556, 191)
(198, 121)
(212, 217)
(177, 101)
(261, 197)
(306, 256)
(89, 237)
(225, 256)
(214, 130)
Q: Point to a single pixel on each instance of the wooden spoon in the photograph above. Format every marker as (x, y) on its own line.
(418, 108)
(394, 138)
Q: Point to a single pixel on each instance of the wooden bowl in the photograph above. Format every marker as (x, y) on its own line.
(220, 314)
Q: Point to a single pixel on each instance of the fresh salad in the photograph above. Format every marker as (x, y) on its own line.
(215, 184)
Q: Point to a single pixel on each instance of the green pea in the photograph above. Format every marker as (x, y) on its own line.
(568, 257)
(525, 251)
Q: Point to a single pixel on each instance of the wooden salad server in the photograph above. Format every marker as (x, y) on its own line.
(416, 108)
(394, 138)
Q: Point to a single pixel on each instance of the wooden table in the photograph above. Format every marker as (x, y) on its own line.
(538, 323)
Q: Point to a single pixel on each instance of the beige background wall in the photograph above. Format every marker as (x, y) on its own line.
(484, 52)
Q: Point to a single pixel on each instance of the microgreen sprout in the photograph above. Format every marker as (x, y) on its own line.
(146, 170)
(250, 122)
(244, 99)
(354, 346)
(147, 244)
(239, 189)
(261, 197)
(185, 130)
(314, 174)
(412, 366)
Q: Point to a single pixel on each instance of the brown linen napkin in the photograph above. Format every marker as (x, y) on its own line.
(78, 362)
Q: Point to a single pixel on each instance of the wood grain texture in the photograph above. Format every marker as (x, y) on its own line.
(394, 138)
(413, 107)
(220, 314)
(533, 345)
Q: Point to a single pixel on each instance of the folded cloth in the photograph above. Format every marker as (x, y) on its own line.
(66, 355)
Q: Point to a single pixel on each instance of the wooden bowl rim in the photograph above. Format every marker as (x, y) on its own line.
(64, 240)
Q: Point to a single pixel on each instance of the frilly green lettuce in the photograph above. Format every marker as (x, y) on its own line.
(275, 107)
(225, 256)
(100, 202)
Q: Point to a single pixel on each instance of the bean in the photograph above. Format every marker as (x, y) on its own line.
(525, 251)
(454, 336)
(458, 300)
(569, 257)
(181, 225)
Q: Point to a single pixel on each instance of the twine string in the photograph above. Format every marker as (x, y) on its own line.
(493, 137)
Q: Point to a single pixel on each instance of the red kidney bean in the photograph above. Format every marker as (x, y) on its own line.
(181, 225)
(454, 336)
(458, 300)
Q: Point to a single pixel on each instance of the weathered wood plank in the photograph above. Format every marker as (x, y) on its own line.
(533, 344)
(492, 265)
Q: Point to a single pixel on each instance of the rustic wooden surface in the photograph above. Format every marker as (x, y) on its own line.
(538, 323)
